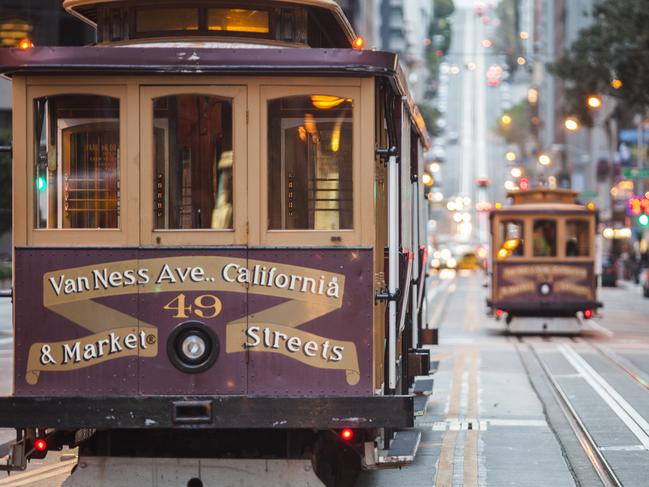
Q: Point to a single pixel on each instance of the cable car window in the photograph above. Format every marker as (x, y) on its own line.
(310, 162)
(192, 148)
(577, 238)
(166, 19)
(544, 238)
(511, 236)
(76, 167)
(238, 20)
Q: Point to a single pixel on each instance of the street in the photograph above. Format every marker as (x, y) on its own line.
(496, 416)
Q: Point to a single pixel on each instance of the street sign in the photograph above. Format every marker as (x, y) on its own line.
(635, 173)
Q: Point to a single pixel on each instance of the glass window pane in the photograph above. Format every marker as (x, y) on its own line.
(544, 238)
(310, 162)
(577, 238)
(76, 171)
(511, 238)
(238, 20)
(167, 19)
(193, 156)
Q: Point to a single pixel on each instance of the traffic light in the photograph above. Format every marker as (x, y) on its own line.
(643, 220)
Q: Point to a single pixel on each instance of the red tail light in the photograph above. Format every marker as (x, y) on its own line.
(40, 445)
(499, 313)
(588, 314)
(347, 434)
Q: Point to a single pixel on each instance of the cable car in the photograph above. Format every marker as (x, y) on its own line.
(218, 239)
(543, 261)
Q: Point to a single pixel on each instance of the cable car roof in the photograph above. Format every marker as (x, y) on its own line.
(543, 195)
(545, 208)
(87, 10)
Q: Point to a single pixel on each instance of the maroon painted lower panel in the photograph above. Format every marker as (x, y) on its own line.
(543, 286)
(284, 322)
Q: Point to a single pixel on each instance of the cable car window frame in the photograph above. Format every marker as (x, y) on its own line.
(238, 93)
(118, 23)
(76, 236)
(589, 219)
(519, 219)
(341, 237)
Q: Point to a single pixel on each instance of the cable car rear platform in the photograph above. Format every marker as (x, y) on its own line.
(207, 412)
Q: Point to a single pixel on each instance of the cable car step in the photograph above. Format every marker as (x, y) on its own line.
(434, 365)
(403, 449)
(423, 386)
(420, 404)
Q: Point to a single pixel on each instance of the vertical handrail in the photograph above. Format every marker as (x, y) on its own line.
(415, 271)
(393, 268)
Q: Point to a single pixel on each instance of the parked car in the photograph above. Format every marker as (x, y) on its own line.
(644, 280)
(609, 271)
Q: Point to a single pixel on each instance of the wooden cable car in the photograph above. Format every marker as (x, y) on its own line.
(543, 261)
(202, 203)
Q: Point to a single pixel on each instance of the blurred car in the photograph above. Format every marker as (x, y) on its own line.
(609, 271)
(468, 261)
(644, 280)
(443, 259)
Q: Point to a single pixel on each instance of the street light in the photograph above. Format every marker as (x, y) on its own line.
(594, 102)
(506, 120)
(545, 160)
(616, 84)
(516, 172)
(510, 156)
(571, 124)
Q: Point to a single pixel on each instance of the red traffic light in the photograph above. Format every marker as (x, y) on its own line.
(483, 182)
(524, 184)
(588, 314)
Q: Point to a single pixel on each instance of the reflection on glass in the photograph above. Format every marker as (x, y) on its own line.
(511, 236)
(310, 162)
(238, 20)
(193, 162)
(544, 238)
(166, 19)
(76, 167)
(577, 238)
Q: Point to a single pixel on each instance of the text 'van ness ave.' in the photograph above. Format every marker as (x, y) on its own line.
(231, 273)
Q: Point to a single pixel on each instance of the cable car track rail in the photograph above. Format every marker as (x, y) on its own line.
(601, 466)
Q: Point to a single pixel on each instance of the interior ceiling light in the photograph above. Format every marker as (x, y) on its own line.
(325, 102)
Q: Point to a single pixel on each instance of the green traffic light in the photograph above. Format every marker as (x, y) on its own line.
(41, 184)
(643, 220)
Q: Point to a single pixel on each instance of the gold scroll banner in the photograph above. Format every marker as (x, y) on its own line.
(524, 279)
(70, 293)
(323, 353)
(91, 350)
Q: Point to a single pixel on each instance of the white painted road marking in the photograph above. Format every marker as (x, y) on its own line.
(631, 418)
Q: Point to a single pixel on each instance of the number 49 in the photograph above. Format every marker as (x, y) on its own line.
(204, 306)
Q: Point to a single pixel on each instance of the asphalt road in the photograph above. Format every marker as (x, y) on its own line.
(496, 416)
